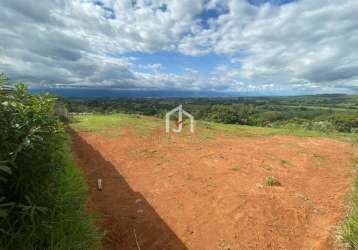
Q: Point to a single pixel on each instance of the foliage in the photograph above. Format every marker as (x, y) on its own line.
(323, 113)
(350, 225)
(3, 79)
(224, 114)
(272, 181)
(42, 195)
(345, 123)
(230, 114)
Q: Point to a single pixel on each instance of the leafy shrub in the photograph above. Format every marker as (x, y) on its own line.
(230, 114)
(345, 123)
(322, 126)
(42, 195)
(224, 114)
(267, 117)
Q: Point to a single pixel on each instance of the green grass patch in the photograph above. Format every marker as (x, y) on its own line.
(271, 181)
(112, 124)
(65, 223)
(252, 131)
(72, 224)
(350, 224)
(284, 162)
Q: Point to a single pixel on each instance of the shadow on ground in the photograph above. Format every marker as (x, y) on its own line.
(128, 217)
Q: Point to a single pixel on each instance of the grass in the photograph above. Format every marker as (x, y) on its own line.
(73, 227)
(251, 131)
(66, 224)
(112, 124)
(350, 225)
(143, 125)
(285, 162)
(271, 181)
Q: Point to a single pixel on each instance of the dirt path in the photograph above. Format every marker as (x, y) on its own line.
(176, 193)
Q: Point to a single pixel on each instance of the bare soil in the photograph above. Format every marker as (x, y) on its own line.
(163, 192)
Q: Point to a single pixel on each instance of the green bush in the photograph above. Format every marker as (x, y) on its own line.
(230, 114)
(265, 118)
(345, 123)
(42, 193)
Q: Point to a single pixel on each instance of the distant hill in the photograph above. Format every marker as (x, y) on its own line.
(94, 93)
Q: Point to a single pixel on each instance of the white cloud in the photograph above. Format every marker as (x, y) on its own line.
(301, 45)
(311, 40)
(154, 67)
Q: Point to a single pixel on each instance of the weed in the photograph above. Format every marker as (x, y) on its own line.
(272, 181)
(236, 168)
(285, 162)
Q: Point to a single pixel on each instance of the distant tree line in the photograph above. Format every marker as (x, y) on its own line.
(321, 112)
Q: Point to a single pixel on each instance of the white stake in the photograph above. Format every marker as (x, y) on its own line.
(99, 184)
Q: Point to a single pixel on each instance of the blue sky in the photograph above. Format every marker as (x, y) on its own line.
(247, 46)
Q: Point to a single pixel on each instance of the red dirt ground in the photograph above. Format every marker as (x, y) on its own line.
(176, 193)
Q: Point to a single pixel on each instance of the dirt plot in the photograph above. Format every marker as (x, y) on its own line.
(174, 192)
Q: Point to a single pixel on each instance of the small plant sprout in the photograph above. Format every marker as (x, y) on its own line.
(236, 168)
(272, 181)
(285, 162)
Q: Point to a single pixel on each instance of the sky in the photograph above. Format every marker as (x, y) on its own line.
(249, 46)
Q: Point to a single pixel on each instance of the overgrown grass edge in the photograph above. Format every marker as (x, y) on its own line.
(349, 228)
(67, 224)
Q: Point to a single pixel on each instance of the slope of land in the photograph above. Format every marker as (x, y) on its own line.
(209, 190)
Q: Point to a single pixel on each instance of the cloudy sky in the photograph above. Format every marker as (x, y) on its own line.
(258, 46)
